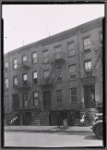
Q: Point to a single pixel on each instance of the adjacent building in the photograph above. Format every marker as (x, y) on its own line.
(58, 73)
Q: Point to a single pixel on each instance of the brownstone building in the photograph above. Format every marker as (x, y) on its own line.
(58, 73)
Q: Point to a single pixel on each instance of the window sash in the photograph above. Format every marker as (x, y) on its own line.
(25, 77)
(73, 94)
(87, 43)
(46, 73)
(35, 102)
(35, 75)
(7, 83)
(6, 65)
(15, 81)
(88, 66)
(34, 58)
(46, 59)
(72, 69)
(24, 58)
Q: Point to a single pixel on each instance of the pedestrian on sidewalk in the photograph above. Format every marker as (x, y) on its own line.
(58, 115)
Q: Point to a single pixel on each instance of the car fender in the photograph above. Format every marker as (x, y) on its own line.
(97, 123)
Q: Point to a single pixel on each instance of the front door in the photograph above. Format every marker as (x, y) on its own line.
(15, 102)
(87, 95)
(47, 100)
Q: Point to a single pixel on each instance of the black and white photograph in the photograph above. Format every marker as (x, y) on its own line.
(53, 68)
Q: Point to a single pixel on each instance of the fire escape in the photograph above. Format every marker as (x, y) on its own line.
(98, 51)
(58, 58)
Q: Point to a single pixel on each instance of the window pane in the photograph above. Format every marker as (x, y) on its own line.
(6, 65)
(45, 59)
(15, 81)
(35, 102)
(34, 55)
(46, 73)
(24, 58)
(25, 77)
(34, 75)
(72, 68)
(88, 65)
(35, 94)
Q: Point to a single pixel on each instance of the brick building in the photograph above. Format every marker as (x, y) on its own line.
(58, 73)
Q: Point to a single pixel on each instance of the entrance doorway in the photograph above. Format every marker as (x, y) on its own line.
(15, 102)
(88, 90)
(47, 100)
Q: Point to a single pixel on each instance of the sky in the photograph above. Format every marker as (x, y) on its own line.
(25, 24)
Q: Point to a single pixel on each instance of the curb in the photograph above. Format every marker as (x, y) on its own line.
(50, 131)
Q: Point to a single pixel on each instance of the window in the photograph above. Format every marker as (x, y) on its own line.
(25, 102)
(35, 98)
(24, 59)
(59, 73)
(73, 95)
(72, 71)
(24, 79)
(46, 73)
(6, 66)
(15, 81)
(88, 66)
(34, 58)
(45, 57)
(15, 64)
(35, 77)
(59, 97)
(71, 49)
(6, 83)
(87, 45)
(58, 52)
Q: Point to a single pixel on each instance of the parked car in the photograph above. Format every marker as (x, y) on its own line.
(97, 125)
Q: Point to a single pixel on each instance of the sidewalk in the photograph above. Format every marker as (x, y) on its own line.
(74, 129)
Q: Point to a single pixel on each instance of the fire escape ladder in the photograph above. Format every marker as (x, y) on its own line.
(96, 61)
(51, 72)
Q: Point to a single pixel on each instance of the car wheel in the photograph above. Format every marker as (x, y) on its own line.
(99, 131)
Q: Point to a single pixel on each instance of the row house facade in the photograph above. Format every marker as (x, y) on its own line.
(55, 74)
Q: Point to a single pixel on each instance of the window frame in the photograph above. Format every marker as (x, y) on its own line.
(35, 99)
(6, 67)
(87, 61)
(59, 77)
(73, 49)
(73, 95)
(34, 79)
(24, 82)
(15, 64)
(23, 62)
(72, 73)
(34, 58)
(6, 87)
(25, 102)
(59, 97)
(45, 58)
(15, 85)
(87, 45)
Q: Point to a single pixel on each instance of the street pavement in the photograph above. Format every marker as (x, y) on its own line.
(52, 139)
(50, 136)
